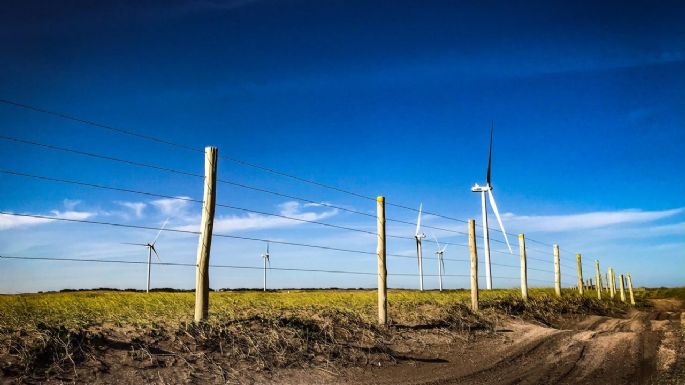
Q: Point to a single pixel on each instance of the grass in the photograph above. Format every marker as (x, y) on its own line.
(88, 308)
(48, 334)
(661, 293)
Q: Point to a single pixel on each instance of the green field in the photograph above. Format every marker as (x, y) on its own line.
(87, 308)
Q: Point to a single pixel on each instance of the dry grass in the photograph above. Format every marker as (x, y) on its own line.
(46, 335)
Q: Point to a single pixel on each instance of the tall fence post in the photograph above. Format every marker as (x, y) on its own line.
(382, 269)
(579, 267)
(473, 251)
(598, 278)
(524, 267)
(557, 271)
(623, 290)
(205, 241)
(630, 289)
(612, 283)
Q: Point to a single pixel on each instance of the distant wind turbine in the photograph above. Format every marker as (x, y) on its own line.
(267, 262)
(419, 236)
(151, 249)
(487, 189)
(440, 253)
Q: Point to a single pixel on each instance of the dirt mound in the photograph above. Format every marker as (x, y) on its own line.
(215, 351)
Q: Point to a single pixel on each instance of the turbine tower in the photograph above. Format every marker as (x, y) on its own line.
(419, 236)
(267, 262)
(483, 190)
(440, 253)
(151, 249)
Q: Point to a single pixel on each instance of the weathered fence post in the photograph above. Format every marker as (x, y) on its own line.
(473, 251)
(524, 267)
(579, 267)
(557, 271)
(623, 290)
(205, 241)
(382, 268)
(598, 278)
(630, 290)
(612, 283)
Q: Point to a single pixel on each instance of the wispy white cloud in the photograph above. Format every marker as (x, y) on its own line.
(135, 207)
(253, 221)
(70, 212)
(11, 221)
(172, 207)
(70, 204)
(77, 215)
(584, 221)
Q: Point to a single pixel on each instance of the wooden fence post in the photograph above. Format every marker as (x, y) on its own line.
(473, 251)
(623, 290)
(598, 278)
(579, 267)
(524, 267)
(612, 283)
(205, 241)
(382, 269)
(557, 271)
(630, 290)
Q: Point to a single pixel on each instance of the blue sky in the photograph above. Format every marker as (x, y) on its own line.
(380, 98)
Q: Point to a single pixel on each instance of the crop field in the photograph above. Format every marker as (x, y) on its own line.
(126, 308)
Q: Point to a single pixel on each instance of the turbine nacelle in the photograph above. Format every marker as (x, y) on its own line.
(478, 188)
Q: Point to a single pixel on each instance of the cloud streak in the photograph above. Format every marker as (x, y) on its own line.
(135, 207)
(252, 221)
(11, 222)
(585, 221)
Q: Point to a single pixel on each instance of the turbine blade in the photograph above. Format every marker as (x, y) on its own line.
(418, 221)
(160, 231)
(135, 244)
(490, 155)
(436, 240)
(156, 255)
(442, 263)
(499, 219)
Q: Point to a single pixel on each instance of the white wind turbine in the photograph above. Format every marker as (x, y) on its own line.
(487, 189)
(440, 253)
(151, 249)
(267, 262)
(419, 236)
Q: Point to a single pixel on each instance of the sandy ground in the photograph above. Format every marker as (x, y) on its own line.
(646, 347)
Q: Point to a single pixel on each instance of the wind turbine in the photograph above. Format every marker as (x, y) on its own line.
(483, 190)
(419, 236)
(441, 260)
(265, 257)
(151, 249)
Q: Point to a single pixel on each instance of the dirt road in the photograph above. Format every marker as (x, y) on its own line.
(646, 347)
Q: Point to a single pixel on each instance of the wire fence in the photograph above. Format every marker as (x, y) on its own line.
(540, 263)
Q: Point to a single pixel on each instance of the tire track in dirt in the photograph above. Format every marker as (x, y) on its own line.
(599, 350)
